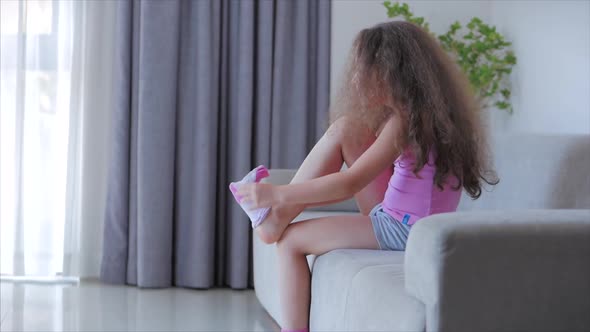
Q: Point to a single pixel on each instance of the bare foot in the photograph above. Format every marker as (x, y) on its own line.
(279, 217)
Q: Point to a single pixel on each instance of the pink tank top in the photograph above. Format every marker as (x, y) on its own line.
(409, 198)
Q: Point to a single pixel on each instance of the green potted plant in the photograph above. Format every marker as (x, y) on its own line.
(482, 53)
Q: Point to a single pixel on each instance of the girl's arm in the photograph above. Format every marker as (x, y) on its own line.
(344, 184)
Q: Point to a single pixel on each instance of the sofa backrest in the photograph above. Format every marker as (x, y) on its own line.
(537, 171)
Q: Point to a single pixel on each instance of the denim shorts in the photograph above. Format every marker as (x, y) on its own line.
(390, 233)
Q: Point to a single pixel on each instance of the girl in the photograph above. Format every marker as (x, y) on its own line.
(407, 127)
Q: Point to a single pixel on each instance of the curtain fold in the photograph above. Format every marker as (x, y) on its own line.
(205, 91)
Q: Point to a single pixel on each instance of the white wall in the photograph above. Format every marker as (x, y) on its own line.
(551, 82)
(351, 16)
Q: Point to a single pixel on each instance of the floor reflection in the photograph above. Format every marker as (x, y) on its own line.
(92, 306)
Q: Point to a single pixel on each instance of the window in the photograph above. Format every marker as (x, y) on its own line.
(35, 73)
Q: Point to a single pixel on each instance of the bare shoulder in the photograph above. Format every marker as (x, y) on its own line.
(393, 126)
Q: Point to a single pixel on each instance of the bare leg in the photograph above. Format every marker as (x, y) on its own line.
(342, 143)
(325, 158)
(315, 236)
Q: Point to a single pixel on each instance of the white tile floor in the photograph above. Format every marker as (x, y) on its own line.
(92, 306)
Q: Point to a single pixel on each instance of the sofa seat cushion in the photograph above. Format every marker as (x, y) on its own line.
(362, 290)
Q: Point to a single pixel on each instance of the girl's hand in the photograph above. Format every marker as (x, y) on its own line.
(258, 195)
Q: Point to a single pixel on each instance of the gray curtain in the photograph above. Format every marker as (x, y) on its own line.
(205, 91)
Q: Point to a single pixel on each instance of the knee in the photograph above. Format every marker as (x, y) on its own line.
(339, 126)
(354, 137)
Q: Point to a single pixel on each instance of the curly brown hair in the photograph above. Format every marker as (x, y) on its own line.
(400, 62)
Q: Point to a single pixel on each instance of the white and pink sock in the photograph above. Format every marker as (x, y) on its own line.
(254, 176)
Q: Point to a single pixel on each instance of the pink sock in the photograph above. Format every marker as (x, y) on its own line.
(302, 330)
(256, 216)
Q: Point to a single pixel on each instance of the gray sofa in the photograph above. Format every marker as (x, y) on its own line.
(517, 259)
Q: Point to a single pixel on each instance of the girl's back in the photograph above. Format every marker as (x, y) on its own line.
(410, 197)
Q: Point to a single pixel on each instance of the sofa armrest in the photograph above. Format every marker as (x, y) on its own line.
(502, 270)
(284, 176)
